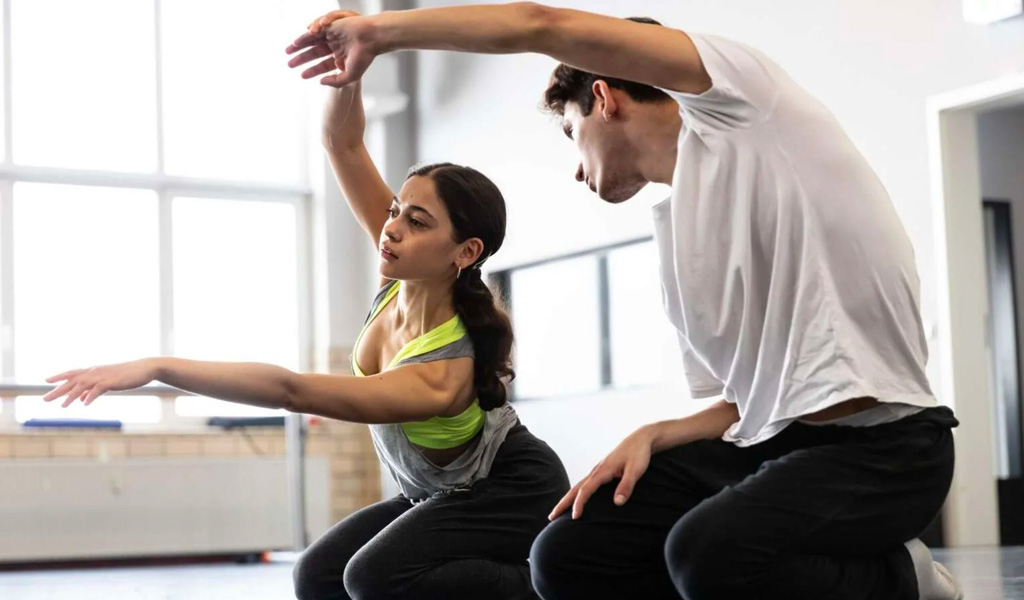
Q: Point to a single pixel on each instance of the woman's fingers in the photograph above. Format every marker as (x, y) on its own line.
(59, 391)
(94, 393)
(75, 393)
(338, 80)
(315, 30)
(334, 15)
(64, 375)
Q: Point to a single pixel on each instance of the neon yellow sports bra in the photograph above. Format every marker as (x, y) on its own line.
(448, 340)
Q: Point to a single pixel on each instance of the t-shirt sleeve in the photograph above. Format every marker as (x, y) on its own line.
(702, 383)
(744, 86)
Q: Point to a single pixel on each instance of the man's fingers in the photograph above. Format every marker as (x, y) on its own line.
(566, 501)
(624, 490)
(587, 490)
(310, 55)
(303, 41)
(324, 66)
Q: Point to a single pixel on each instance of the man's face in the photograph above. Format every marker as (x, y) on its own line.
(607, 157)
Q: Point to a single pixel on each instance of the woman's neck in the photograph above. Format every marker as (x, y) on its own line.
(423, 305)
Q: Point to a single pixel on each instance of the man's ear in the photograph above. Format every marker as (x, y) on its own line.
(604, 101)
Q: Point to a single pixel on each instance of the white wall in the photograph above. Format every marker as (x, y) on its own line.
(874, 62)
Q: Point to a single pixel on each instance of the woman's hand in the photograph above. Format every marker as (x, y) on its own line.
(344, 38)
(344, 120)
(89, 384)
(627, 462)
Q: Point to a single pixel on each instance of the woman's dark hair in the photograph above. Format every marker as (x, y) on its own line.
(477, 210)
(569, 84)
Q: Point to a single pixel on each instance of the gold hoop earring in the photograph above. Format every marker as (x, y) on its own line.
(459, 274)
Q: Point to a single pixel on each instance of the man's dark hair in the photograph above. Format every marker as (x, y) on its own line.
(569, 84)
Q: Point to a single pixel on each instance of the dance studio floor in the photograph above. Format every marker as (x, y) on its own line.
(987, 574)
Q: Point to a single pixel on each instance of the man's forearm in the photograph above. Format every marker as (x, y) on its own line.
(485, 29)
(710, 423)
(609, 46)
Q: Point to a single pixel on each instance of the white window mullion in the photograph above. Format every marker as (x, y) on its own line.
(6, 280)
(159, 71)
(304, 290)
(215, 188)
(8, 109)
(168, 415)
(7, 420)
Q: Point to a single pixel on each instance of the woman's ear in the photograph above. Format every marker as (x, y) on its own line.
(470, 252)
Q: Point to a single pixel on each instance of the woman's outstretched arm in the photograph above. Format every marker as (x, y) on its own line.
(344, 128)
(408, 393)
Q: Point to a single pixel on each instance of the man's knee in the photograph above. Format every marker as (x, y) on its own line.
(554, 556)
(699, 560)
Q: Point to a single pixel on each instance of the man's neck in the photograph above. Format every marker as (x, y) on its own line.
(657, 140)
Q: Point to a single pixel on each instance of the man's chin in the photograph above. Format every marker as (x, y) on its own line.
(620, 194)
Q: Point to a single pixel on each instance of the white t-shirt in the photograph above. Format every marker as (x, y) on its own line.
(785, 268)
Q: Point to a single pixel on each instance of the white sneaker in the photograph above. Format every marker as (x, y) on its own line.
(934, 581)
(952, 588)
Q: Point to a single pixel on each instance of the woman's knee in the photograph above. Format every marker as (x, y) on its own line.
(370, 576)
(310, 577)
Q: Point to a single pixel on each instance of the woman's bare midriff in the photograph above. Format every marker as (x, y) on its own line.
(844, 409)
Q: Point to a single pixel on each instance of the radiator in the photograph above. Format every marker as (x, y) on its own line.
(87, 509)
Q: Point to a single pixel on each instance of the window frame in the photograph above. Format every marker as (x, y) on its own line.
(167, 187)
(501, 282)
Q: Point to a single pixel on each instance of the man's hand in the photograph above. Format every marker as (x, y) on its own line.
(627, 462)
(343, 37)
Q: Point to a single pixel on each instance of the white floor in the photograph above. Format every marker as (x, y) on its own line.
(986, 574)
(199, 582)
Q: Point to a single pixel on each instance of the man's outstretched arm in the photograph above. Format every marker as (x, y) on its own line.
(614, 47)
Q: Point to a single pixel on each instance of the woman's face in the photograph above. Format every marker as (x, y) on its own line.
(417, 241)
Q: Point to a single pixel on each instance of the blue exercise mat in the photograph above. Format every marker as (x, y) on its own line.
(74, 423)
